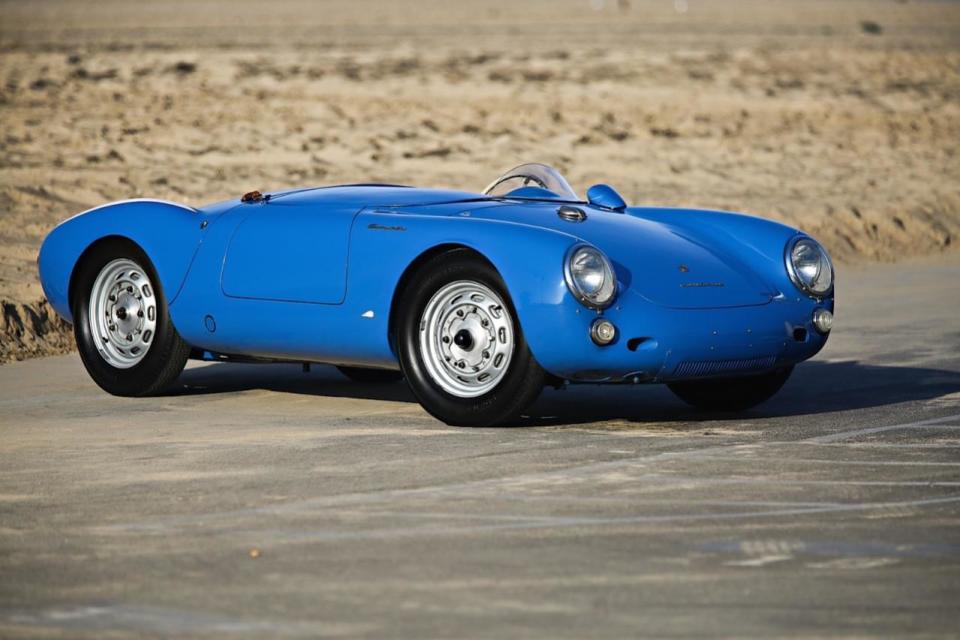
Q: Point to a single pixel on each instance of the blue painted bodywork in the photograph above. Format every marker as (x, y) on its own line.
(312, 275)
(605, 197)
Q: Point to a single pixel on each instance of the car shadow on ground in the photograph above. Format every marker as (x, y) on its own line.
(321, 380)
(815, 387)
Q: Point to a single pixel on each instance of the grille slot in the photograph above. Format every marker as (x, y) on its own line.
(700, 368)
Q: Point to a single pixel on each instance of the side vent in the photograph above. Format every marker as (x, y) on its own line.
(571, 214)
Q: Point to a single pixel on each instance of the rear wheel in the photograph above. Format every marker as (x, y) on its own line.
(731, 394)
(461, 347)
(371, 376)
(121, 323)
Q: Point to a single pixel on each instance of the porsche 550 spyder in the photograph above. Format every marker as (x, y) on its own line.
(479, 300)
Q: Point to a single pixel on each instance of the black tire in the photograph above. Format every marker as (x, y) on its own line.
(519, 384)
(371, 376)
(167, 353)
(731, 394)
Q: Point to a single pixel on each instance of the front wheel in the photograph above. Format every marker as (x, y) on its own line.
(121, 323)
(461, 347)
(731, 394)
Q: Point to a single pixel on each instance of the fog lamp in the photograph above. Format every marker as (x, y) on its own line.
(823, 321)
(602, 332)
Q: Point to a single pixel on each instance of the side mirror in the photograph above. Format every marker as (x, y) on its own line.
(605, 197)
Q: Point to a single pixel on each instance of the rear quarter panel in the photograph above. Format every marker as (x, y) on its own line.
(167, 232)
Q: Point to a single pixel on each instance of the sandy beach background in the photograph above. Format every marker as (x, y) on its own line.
(842, 117)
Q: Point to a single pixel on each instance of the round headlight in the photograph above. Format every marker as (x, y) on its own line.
(590, 276)
(809, 266)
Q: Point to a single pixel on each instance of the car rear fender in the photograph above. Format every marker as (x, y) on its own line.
(167, 232)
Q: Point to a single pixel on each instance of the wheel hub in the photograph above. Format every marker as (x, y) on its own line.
(466, 338)
(123, 313)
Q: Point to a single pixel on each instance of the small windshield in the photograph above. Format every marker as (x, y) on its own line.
(519, 180)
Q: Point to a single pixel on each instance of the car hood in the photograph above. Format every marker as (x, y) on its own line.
(668, 262)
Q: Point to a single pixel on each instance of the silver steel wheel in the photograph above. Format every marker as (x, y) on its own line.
(123, 313)
(466, 338)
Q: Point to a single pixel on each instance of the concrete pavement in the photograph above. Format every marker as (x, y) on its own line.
(262, 502)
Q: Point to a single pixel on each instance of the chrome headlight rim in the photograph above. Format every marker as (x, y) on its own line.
(580, 296)
(799, 282)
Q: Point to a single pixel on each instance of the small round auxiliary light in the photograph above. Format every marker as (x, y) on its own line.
(602, 332)
(823, 321)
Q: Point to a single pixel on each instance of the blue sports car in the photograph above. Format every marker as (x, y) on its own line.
(478, 299)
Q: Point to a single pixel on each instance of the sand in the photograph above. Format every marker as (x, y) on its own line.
(839, 117)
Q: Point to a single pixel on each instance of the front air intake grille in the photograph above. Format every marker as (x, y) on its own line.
(701, 368)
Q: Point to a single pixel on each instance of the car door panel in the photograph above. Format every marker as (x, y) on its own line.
(290, 253)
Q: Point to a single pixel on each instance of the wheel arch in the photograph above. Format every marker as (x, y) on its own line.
(93, 247)
(415, 265)
(528, 259)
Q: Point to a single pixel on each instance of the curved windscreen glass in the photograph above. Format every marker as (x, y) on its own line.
(531, 175)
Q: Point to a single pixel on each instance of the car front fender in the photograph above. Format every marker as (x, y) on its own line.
(384, 245)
